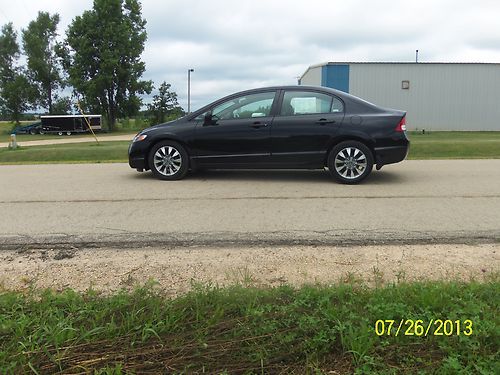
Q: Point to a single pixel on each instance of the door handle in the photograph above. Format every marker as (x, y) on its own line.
(323, 121)
(258, 124)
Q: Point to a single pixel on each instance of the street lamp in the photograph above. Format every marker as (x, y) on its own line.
(189, 89)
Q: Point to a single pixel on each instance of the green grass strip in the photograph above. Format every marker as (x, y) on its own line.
(113, 151)
(455, 145)
(21, 138)
(434, 145)
(314, 329)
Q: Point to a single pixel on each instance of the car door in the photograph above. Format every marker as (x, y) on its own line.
(303, 127)
(238, 134)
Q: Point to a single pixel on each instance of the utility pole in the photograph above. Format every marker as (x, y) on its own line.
(189, 90)
(416, 56)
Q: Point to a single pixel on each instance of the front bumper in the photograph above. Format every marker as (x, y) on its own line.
(137, 163)
(137, 152)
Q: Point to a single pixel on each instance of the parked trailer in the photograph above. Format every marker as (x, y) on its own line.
(68, 124)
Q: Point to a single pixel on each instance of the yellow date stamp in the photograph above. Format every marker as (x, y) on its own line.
(434, 327)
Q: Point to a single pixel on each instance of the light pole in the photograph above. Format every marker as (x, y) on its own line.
(189, 89)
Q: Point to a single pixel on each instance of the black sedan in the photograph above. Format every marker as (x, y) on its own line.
(276, 127)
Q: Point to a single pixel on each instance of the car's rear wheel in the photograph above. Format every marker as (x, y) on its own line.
(60, 133)
(68, 133)
(350, 162)
(32, 131)
(168, 160)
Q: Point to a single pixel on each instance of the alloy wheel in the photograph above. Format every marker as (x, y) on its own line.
(167, 160)
(350, 163)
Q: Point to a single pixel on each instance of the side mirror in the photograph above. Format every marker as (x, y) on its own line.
(208, 118)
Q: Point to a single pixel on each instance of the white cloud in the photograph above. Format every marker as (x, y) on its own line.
(235, 45)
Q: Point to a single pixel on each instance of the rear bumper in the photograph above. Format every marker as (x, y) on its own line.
(391, 154)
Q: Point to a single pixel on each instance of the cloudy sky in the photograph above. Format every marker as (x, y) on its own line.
(235, 45)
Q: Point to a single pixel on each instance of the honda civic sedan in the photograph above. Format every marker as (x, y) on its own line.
(298, 127)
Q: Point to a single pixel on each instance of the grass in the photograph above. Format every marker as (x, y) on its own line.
(8, 125)
(113, 151)
(247, 330)
(454, 145)
(38, 137)
(126, 126)
(434, 145)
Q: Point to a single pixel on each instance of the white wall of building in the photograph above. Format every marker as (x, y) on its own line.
(440, 97)
(312, 76)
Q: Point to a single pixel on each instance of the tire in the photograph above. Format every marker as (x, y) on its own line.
(32, 131)
(68, 133)
(350, 162)
(168, 160)
(41, 132)
(60, 133)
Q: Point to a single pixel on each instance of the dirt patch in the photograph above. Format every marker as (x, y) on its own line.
(62, 254)
(177, 269)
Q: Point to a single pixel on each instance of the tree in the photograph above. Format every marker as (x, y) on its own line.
(164, 104)
(16, 93)
(43, 65)
(61, 106)
(102, 57)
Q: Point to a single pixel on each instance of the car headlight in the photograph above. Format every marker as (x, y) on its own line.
(140, 137)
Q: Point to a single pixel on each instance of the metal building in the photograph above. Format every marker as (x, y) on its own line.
(436, 96)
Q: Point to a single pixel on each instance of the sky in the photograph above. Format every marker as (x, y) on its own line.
(237, 45)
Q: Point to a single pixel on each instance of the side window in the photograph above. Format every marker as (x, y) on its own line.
(307, 102)
(337, 105)
(245, 107)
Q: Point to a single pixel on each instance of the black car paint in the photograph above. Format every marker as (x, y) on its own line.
(296, 141)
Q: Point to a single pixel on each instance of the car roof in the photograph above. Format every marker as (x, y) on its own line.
(344, 95)
(293, 87)
(355, 103)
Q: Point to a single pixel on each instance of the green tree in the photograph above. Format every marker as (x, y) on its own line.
(164, 105)
(61, 106)
(16, 93)
(39, 41)
(102, 55)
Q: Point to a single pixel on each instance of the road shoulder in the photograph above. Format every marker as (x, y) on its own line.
(175, 268)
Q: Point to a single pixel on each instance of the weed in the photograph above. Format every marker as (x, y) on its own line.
(311, 330)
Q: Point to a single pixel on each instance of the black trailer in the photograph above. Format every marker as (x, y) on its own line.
(69, 124)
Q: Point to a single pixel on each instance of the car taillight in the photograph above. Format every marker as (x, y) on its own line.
(402, 125)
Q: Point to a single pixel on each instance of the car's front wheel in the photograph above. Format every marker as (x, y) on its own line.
(168, 160)
(350, 162)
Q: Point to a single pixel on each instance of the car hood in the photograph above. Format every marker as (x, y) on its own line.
(168, 123)
(164, 124)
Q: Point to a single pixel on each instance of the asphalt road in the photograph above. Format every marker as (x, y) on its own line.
(448, 201)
